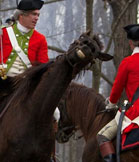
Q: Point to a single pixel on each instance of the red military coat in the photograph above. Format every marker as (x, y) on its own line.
(33, 44)
(127, 78)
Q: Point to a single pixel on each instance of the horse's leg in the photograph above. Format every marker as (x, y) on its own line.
(91, 152)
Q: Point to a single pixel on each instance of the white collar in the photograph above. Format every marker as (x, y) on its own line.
(22, 29)
(136, 50)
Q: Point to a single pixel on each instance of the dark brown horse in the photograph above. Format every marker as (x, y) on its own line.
(82, 108)
(28, 102)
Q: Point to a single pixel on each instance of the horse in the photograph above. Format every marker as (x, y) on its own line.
(28, 102)
(82, 108)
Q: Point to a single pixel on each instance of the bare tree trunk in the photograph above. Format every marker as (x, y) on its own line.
(89, 26)
(124, 13)
(129, 16)
(89, 15)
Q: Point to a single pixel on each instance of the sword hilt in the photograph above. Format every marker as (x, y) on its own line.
(3, 73)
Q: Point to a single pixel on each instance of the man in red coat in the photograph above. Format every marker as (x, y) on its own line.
(21, 45)
(127, 78)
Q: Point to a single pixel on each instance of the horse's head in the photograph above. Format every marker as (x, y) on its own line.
(65, 126)
(89, 47)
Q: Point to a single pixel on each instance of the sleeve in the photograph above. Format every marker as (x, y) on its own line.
(120, 81)
(43, 51)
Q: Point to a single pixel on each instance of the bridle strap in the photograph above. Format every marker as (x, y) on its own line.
(63, 102)
(68, 60)
(70, 127)
(105, 111)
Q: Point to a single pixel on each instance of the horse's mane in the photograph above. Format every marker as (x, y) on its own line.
(88, 103)
(87, 94)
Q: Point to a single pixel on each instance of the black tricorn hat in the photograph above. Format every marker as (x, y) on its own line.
(30, 5)
(132, 31)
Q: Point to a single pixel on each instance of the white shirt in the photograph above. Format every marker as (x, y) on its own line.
(136, 50)
(22, 29)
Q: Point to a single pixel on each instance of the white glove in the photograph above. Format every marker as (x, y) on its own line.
(110, 105)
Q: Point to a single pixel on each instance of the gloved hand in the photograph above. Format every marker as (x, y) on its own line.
(110, 105)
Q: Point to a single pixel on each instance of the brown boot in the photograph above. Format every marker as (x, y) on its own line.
(107, 151)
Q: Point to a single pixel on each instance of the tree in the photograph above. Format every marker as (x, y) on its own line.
(124, 13)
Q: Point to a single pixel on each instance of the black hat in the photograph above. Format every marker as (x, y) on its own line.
(132, 31)
(30, 5)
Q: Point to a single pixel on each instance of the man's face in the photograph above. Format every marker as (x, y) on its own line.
(30, 19)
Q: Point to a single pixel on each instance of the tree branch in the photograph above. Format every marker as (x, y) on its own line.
(106, 79)
(56, 49)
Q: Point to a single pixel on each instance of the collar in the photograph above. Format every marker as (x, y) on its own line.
(21, 28)
(19, 34)
(135, 51)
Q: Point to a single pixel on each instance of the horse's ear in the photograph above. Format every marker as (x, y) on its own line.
(104, 56)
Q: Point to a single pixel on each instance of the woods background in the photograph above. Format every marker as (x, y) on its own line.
(62, 21)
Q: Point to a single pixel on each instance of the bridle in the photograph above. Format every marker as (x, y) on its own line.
(76, 47)
(71, 128)
(64, 111)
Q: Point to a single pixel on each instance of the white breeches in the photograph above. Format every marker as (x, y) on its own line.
(109, 130)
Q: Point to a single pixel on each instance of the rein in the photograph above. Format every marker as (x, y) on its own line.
(68, 60)
(105, 111)
(76, 50)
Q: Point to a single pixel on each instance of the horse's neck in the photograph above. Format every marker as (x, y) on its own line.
(51, 88)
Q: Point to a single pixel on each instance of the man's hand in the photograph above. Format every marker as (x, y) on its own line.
(110, 105)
